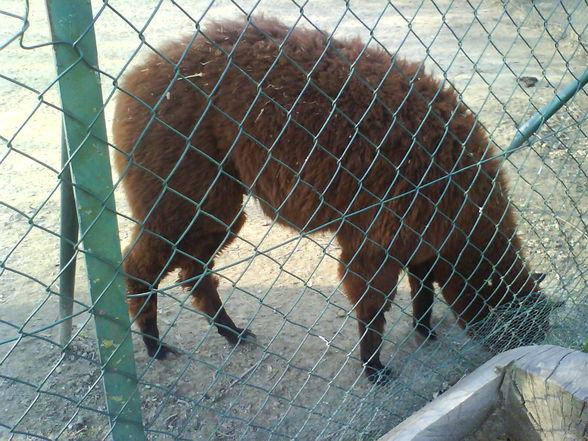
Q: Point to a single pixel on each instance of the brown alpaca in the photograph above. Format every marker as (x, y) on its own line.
(326, 135)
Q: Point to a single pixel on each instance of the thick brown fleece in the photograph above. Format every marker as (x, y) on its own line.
(326, 134)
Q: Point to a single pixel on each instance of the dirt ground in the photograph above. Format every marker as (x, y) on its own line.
(302, 379)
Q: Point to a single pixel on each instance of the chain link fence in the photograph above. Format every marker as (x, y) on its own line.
(302, 375)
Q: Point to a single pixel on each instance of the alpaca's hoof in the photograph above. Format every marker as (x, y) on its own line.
(424, 331)
(246, 336)
(378, 374)
(238, 335)
(380, 377)
(158, 350)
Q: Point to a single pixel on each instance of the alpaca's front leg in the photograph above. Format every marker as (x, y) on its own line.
(370, 285)
(371, 321)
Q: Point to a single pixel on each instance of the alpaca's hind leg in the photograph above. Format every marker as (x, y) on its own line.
(204, 289)
(145, 265)
(370, 284)
(421, 279)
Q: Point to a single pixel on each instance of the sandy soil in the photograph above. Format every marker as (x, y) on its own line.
(302, 380)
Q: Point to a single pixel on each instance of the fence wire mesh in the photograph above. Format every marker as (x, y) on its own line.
(302, 377)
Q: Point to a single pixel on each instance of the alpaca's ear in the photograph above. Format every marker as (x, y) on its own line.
(539, 277)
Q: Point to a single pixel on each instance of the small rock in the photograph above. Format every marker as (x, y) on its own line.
(528, 81)
(77, 427)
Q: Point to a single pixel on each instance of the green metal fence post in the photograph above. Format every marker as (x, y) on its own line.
(69, 236)
(525, 131)
(79, 85)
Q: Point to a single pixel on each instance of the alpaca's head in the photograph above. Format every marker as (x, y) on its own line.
(520, 321)
(489, 286)
(499, 311)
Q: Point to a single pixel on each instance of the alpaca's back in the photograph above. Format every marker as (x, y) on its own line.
(314, 139)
